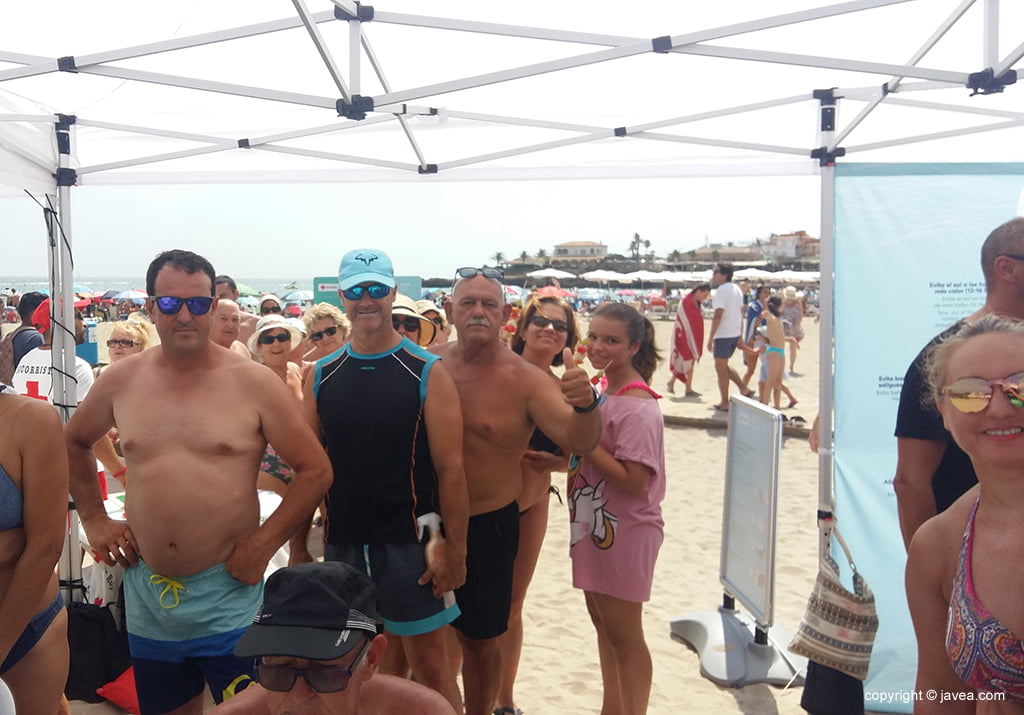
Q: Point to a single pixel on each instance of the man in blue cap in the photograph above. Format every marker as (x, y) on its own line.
(390, 418)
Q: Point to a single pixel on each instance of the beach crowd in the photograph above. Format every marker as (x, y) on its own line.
(424, 437)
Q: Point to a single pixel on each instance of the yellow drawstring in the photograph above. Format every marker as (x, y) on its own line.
(169, 585)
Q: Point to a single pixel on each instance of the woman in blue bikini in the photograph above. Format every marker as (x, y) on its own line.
(33, 514)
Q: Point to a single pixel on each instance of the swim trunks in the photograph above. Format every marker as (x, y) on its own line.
(492, 540)
(182, 629)
(725, 347)
(32, 633)
(408, 609)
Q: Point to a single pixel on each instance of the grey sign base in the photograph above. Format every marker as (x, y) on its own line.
(724, 640)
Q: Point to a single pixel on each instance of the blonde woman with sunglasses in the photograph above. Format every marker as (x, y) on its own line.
(961, 566)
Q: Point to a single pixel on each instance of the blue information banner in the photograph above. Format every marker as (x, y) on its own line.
(907, 265)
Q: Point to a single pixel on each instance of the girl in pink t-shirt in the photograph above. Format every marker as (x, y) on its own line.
(615, 495)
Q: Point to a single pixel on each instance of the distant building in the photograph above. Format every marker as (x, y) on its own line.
(579, 252)
(740, 256)
(790, 246)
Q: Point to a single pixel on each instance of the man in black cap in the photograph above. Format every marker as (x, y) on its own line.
(317, 647)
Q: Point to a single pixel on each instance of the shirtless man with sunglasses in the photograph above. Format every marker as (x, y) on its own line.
(193, 546)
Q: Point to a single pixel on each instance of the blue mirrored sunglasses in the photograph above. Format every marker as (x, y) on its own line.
(375, 290)
(171, 305)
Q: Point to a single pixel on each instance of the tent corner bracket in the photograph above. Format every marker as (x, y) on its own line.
(66, 177)
(356, 108)
(364, 13)
(985, 82)
(662, 45)
(826, 157)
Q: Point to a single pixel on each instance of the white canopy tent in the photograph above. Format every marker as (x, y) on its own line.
(320, 91)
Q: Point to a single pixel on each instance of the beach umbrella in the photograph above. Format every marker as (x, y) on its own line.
(298, 295)
(550, 273)
(79, 288)
(625, 291)
(243, 289)
(133, 294)
(601, 275)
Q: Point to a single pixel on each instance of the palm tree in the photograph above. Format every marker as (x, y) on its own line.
(523, 258)
(634, 247)
(542, 257)
(499, 259)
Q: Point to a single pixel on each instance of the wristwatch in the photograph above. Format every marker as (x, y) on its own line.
(598, 401)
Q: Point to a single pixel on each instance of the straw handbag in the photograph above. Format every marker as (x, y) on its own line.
(838, 627)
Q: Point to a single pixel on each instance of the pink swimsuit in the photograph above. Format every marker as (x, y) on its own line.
(984, 653)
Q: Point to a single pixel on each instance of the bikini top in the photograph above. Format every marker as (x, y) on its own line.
(983, 652)
(11, 504)
(638, 385)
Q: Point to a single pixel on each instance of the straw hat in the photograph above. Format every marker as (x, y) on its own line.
(404, 306)
(271, 322)
(790, 293)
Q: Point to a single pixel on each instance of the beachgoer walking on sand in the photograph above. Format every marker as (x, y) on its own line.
(615, 493)
(750, 323)
(724, 335)
(546, 327)
(793, 308)
(770, 386)
(193, 540)
(688, 339)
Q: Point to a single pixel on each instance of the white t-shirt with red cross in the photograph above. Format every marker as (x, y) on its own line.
(32, 376)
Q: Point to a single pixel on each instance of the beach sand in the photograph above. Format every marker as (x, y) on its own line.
(559, 672)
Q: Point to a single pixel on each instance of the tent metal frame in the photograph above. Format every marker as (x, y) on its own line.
(395, 105)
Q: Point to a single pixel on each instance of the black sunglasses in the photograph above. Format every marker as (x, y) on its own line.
(411, 324)
(268, 309)
(540, 321)
(438, 321)
(495, 274)
(375, 290)
(171, 305)
(319, 335)
(269, 339)
(1014, 256)
(321, 678)
(120, 343)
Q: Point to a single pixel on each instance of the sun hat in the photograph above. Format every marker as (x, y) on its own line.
(271, 297)
(789, 293)
(316, 610)
(270, 322)
(364, 265)
(403, 306)
(424, 306)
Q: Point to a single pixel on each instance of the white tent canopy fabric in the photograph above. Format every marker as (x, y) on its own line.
(251, 91)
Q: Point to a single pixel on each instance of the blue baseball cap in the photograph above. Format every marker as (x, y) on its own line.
(364, 265)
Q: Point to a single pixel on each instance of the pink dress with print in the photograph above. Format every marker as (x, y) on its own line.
(615, 537)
